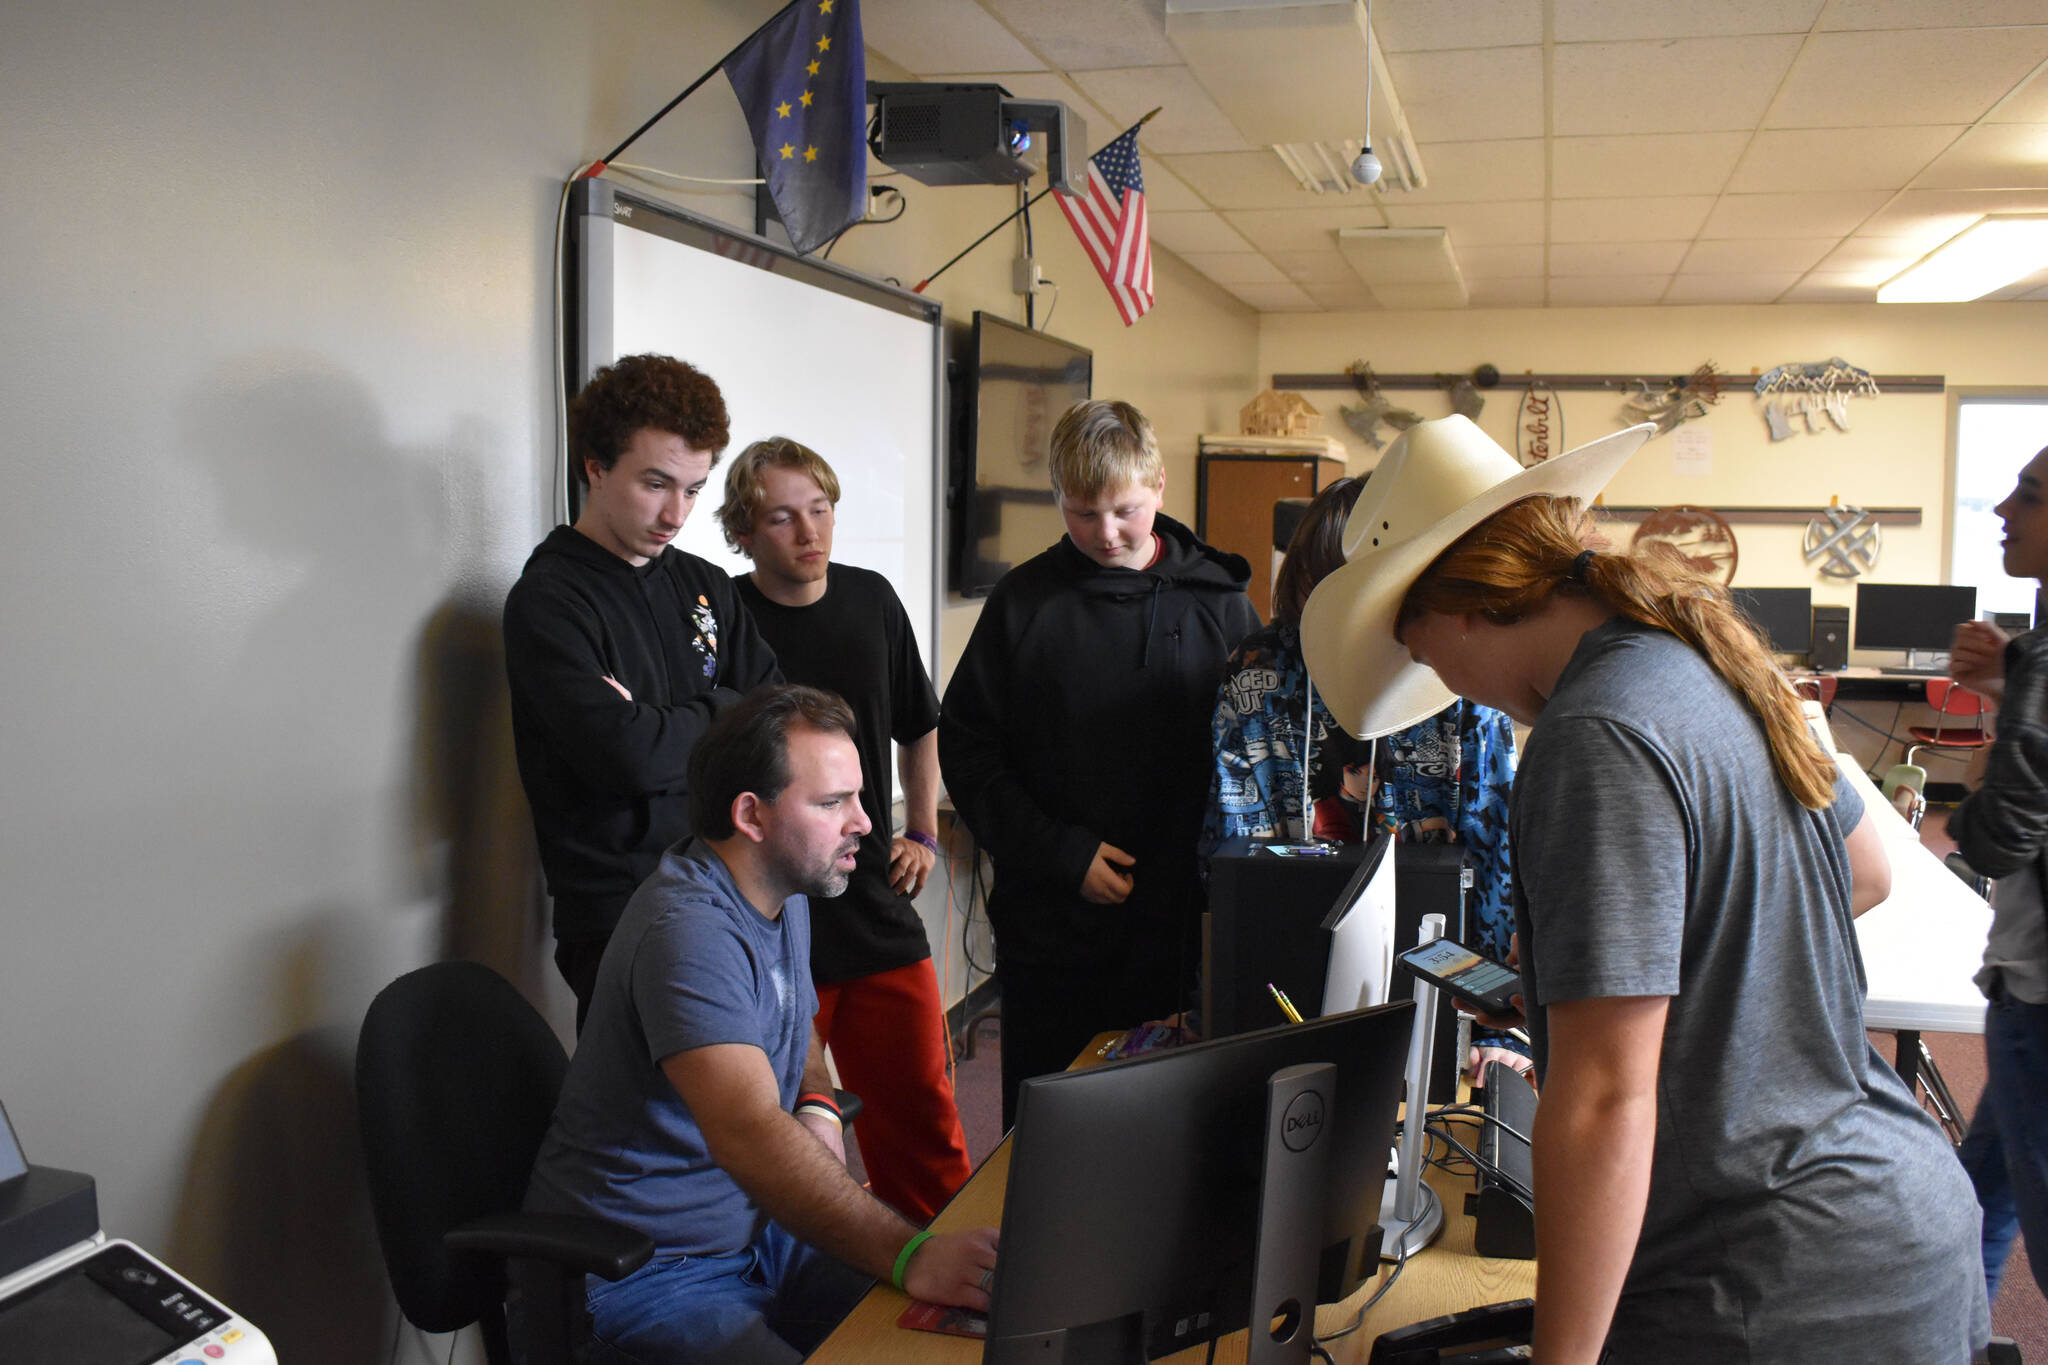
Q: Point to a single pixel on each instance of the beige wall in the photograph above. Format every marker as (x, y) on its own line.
(277, 376)
(1896, 452)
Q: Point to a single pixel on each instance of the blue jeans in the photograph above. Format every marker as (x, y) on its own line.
(2006, 1151)
(770, 1303)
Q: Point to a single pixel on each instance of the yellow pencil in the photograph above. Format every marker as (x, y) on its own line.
(1286, 1005)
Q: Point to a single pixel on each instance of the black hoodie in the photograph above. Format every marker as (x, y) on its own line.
(605, 776)
(1079, 715)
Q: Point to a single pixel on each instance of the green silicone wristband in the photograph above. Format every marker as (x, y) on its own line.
(903, 1257)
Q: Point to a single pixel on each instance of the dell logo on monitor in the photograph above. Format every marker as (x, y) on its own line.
(1303, 1122)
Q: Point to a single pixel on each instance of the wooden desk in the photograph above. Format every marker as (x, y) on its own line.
(1443, 1279)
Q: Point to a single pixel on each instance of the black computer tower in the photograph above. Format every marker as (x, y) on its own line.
(1830, 653)
(1265, 924)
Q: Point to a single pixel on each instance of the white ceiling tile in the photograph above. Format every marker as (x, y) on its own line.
(1248, 180)
(1475, 224)
(1864, 80)
(1853, 14)
(1837, 158)
(1474, 172)
(1589, 21)
(1166, 192)
(1607, 290)
(1756, 257)
(1684, 85)
(1507, 293)
(923, 36)
(1826, 286)
(1471, 94)
(1666, 219)
(1417, 297)
(1344, 298)
(1314, 270)
(1182, 233)
(1500, 262)
(1616, 258)
(1730, 288)
(1994, 156)
(1651, 164)
(1274, 298)
(1424, 25)
(1315, 229)
(1232, 268)
(1829, 214)
(1930, 217)
(2028, 104)
(1076, 35)
(1871, 260)
(1189, 120)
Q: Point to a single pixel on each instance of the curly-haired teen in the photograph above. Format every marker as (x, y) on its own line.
(620, 649)
(1724, 1168)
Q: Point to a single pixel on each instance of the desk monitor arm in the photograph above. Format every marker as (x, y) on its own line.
(1410, 1213)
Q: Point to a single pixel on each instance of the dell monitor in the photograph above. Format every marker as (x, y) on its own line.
(1134, 1191)
(1783, 615)
(1915, 617)
(1361, 927)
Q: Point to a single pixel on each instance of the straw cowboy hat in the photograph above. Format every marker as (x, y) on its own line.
(1438, 481)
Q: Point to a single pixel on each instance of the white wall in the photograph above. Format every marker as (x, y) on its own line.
(275, 371)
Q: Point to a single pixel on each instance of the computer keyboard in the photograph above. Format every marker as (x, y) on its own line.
(1928, 671)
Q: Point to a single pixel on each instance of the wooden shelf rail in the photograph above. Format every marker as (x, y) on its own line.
(1731, 382)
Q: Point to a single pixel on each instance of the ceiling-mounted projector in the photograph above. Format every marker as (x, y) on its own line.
(974, 135)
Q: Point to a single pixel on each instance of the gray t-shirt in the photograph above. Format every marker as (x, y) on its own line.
(1801, 1205)
(690, 964)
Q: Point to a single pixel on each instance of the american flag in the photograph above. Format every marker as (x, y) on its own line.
(1109, 218)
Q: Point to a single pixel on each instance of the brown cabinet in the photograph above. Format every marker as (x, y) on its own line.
(1234, 499)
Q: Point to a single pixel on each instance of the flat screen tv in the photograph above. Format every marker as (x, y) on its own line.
(1015, 385)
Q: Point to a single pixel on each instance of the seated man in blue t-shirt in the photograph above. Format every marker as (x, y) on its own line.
(693, 1109)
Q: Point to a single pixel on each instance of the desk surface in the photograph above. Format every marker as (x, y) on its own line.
(1445, 1278)
(1923, 944)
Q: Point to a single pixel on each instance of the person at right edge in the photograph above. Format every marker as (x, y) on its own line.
(1725, 1170)
(1074, 740)
(2001, 830)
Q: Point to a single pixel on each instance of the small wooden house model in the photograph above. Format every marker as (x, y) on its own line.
(1279, 414)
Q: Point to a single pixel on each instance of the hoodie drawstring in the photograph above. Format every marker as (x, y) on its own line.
(1151, 615)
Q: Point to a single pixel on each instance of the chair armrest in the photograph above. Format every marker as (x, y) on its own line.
(574, 1241)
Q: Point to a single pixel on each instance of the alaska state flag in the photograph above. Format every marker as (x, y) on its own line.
(802, 81)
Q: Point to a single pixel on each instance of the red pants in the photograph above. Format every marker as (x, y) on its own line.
(888, 1039)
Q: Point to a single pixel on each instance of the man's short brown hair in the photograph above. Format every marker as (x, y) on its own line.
(746, 749)
(639, 392)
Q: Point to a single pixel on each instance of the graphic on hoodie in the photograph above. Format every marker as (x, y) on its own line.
(707, 634)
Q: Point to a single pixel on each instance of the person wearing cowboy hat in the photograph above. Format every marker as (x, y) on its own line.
(1724, 1168)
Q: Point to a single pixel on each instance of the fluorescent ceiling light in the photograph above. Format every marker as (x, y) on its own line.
(1999, 249)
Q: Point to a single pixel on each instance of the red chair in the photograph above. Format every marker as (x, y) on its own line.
(1953, 702)
(1818, 687)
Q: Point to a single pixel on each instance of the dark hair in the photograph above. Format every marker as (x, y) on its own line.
(746, 749)
(1510, 564)
(638, 392)
(1316, 548)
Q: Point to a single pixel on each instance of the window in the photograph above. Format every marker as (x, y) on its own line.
(1995, 437)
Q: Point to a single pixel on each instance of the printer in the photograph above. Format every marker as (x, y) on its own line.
(68, 1292)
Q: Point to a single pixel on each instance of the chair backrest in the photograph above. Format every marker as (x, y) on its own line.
(456, 1080)
(1950, 699)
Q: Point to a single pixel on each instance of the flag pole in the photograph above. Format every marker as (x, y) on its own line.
(597, 167)
(1012, 217)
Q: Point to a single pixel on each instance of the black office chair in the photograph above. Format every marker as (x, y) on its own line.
(456, 1079)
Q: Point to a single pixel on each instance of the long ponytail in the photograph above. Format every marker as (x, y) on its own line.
(1509, 565)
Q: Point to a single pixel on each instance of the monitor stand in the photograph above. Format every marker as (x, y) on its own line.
(1411, 1215)
(1301, 1108)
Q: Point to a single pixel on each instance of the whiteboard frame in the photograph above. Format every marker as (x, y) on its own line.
(599, 208)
